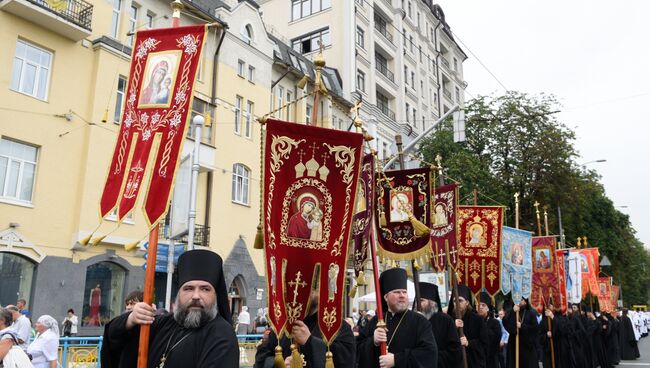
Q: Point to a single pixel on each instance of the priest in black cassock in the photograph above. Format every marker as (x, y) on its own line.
(578, 342)
(628, 343)
(444, 330)
(486, 312)
(198, 334)
(475, 339)
(407, 333)
(527, 329)
(612, 343)
(307, 337)
(559, 333)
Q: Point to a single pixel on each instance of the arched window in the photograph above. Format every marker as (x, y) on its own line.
(247, 34)
(103, 293)
(16, 275)
(237, 294)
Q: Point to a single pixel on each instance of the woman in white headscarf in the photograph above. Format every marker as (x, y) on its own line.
(44, 348)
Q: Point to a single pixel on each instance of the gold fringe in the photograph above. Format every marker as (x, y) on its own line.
(425, 251)
(382, 219)
(419, 228)
(296, 359)
(84, 241)
(329, 360)
(259, 238)
(353, 291)
(278, 361)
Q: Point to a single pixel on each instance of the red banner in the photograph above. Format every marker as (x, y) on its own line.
(479, 247)
(363, 214)
(310, 184)
(589, 269)
(616, 290)
(443, 227)
(546, 283)
(561, 278)
(158, 100)
(605, 300)
(400, 194)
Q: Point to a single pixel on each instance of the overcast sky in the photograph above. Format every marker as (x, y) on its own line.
(594, 56)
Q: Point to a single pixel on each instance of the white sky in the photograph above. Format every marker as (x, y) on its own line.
(594, 56)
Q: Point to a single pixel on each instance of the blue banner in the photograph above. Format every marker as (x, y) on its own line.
(516, 262)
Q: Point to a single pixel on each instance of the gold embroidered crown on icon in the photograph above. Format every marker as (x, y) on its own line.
(312, 166)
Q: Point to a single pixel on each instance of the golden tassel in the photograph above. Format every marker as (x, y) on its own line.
(105, 116)
(278, 362)
(131, 246)
(382, 219)
(259, 238)
(329, 360)
(361, 279)
(296, 359)
(84, 241)
(97, 240)
(353, 291)
(416, 264)
(420, 228)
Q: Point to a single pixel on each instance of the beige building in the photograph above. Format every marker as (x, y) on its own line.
(63, 85)
(398, 56)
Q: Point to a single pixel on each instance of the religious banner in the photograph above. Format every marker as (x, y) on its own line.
(605, 300)
(561, 278)
(516, 263)
(616, 291)
(157, 105)
(310, 184)
(443, 227)
(363, 217)
(546, 282)
(404, 203)
(478, 233)
(573, 276)
(589, 270)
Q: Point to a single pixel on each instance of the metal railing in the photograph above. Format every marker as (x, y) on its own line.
(201, 236)
(445, 62)
(383, 69)
(386, 111)
(78, 12)
(447, 94)
(384, 32)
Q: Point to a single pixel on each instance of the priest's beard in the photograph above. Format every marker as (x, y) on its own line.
(429, 309)
(194, 318)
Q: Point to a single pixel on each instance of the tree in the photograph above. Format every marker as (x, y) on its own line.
(515, 144)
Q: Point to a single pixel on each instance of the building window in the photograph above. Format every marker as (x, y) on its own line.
(360, 38)
(304, 8)
(415, 117)
(410, 10)
(405, 38)
(412, 47)
(17, 275)
(311, 42)
(200, 107)
(289, 98)
(413, 79)
(407, 111)
(249, 118)
(115, 19)
(241, 67)
(238, 104)
(247, 34)
(455, 64)
(418, 20)
(361, 81)
(457, 94)
(422, 87)
(119, 99)
(308, 112)
(31, 70)
(150, 19)
(406, 74)
(240, 183)
(103, 293)
(133, 20)
(423, 122)
(280, 102)
(17, 170)
(251, 74)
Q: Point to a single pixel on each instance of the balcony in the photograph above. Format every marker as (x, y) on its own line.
(386, 111)
(384, 32)
(447, 94)
(201, 236)
(383, 70)
(69, 18)
(445, 63)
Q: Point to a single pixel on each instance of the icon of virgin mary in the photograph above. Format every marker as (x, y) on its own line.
(305, 219)
(152, 93)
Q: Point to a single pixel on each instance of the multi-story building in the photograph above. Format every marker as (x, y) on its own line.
(398, 56)
(63, 85)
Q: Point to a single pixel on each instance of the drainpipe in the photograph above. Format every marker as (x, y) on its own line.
(435, 35)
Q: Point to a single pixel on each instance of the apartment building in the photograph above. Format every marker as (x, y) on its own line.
(63, 85)
(398, 56)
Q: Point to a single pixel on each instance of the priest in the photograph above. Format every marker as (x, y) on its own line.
(558, 334)
(407, 334)
(307, 338)
(525, 325)
(198, 334)
(486, 312)
(475, 339)
(628, 341)
(449, 350)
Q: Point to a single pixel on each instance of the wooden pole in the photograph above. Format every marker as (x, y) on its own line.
(319, 62)
(539, 222)
(383, 348)
(517, 341)
(152, 250)
(516, 210)
(546, 222)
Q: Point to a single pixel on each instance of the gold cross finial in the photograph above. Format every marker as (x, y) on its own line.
(536, 204)
(516, 197)
(439, 161)
(585, 240)
(579, 242)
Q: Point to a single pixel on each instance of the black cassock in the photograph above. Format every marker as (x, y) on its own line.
(628, 343)
(578, 342)
(600, 334)
(560, 331)
(213, 345)
(494, 338)
(612, 343)
(450, 354)
(342, 348)
(475, 331)
(528, 334)
(411, 341)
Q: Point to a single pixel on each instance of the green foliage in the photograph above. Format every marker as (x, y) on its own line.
(515, 144)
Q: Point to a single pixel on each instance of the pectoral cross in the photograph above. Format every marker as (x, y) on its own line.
(162, 362)
(296, 284)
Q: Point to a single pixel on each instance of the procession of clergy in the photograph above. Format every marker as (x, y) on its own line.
(199, 332)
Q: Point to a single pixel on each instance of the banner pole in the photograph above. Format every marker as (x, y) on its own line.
(375, 273)
(539, 222)
(143, 347)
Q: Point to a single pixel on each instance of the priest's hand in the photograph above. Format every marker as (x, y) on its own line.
(548, 333)
(142, 314)
(379, 336)
(516, 308)
(300, 332)
(518, 324)
(463, 341)
(387, 361)
(459, 323)
(549, 314)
